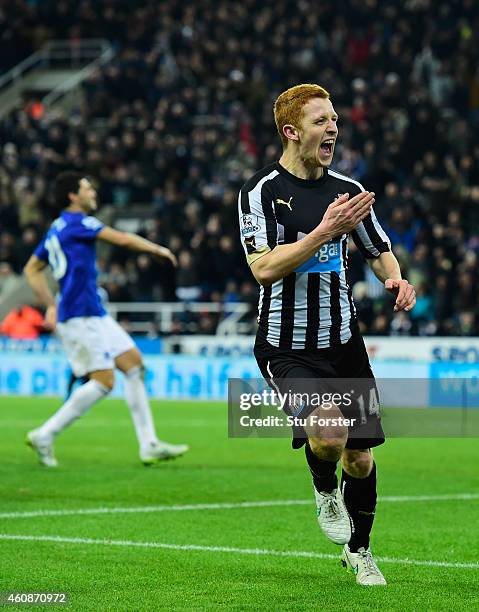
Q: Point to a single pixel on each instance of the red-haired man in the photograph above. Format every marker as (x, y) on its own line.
(296, 216)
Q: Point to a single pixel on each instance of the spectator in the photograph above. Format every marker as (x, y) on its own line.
(23, 323)
(188, 287)
(177, 120)
(9, 281)
(424, 309)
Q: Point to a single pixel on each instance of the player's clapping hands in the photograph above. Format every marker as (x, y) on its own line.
(404, 292)
(344, 214)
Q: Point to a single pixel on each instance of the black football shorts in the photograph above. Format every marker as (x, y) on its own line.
(327, 369)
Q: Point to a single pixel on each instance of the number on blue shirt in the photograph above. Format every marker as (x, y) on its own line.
(56, 257)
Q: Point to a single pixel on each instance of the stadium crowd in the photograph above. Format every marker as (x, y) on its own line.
(182, 116)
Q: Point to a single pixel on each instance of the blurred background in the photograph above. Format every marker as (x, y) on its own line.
(169, 106)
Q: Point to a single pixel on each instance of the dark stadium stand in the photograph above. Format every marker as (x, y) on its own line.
(182, 116)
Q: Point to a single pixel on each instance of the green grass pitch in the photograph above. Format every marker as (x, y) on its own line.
(101, 568)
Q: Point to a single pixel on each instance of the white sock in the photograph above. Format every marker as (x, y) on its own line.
(137, 400)
(77, 404)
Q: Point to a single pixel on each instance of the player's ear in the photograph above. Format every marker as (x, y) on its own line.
(291, 132)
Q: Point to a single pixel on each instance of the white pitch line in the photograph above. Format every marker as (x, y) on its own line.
(227, 549)
(419, 498)
(146, 509)
(225, 506)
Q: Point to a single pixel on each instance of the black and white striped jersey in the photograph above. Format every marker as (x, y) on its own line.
(311, 308)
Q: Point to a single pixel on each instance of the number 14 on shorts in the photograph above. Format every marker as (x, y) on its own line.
(368, 403)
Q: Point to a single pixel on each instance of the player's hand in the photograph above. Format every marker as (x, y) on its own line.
(404, 292)
(164, 253)
(344, 214)
(50, 318)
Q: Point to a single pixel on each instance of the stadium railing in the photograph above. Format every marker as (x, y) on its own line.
(164, 315)
(76, 60)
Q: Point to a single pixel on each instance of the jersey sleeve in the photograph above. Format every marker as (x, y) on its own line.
(370, 238)
(88, 228)
(41, 252)
(257, 221)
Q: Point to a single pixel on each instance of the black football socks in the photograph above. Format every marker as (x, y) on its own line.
(323, 472)
(359, 495)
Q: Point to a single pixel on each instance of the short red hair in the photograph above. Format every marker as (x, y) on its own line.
(288, 108)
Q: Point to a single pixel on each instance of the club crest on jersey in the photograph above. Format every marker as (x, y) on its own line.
(250, 225)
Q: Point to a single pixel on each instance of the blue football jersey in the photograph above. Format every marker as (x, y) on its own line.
(69, 249)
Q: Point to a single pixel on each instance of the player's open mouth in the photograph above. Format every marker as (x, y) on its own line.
(327, 146)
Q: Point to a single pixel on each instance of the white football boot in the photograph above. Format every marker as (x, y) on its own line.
(161, 451)
(44, 449)
(333, 517)
(363, 566)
